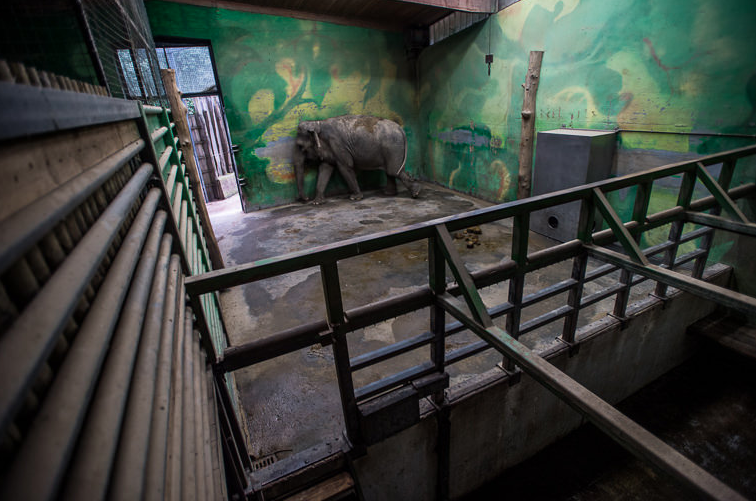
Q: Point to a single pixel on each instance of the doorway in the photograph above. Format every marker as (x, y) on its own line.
(197, 79)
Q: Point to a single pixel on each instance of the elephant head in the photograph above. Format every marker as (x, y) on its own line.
(307, 147)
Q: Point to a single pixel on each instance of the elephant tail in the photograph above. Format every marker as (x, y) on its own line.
(404, 160)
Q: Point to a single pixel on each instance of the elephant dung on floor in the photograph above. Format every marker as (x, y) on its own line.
(350, 143)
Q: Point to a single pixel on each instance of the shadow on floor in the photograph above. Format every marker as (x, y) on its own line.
(705, 409)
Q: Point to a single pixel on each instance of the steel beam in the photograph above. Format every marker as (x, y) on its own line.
(287, 263)
(464, 279)
(26, 110)
(475, 6)
(720, 194)
(619, 427)
(619, 229)
(731, 299)
(720, 223)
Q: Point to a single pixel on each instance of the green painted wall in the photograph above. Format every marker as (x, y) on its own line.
(677, 65)
(275, 71)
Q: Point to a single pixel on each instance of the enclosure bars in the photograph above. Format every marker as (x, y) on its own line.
(163, 151)
(340, 323)
(155, 124)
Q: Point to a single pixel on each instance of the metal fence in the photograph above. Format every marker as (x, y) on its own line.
(442, 297)
(105, 390)
(99, 42)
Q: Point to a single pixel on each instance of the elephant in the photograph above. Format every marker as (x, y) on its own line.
(349, 143)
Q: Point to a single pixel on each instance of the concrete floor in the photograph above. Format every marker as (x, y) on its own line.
(292, 402)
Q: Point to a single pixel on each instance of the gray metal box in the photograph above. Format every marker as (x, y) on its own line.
(567, 158)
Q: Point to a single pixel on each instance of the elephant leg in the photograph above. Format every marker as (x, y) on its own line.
(324, 175)
(350, 177)
(390, 186)
(411, 185)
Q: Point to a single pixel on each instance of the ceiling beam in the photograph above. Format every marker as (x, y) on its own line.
(239, 5)
(479, 6)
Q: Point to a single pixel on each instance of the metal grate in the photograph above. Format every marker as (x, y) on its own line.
(122, 37)
(101, 42)
(194, 68)
(264, 462)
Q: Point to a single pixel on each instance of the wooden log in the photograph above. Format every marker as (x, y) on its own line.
(528, 123)
(185, 142)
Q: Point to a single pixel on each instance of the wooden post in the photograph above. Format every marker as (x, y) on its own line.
(185, 142)
(528, 123)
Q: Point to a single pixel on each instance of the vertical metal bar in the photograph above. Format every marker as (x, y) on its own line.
(189, 446)
(207, 434)
(640, 208)
(437, 282)
(579, 265)
(675, 232)
(725, 178)
(329, 274)
(173, 468)
(517, 282)
(199, 431)
(232, 455)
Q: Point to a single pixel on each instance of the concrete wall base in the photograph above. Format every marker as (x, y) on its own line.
(495, 426)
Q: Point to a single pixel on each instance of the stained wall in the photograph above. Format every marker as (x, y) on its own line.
(676, 66)
(275, 71)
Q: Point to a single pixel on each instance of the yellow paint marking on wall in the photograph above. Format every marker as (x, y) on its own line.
(260, 105)
(280, 172)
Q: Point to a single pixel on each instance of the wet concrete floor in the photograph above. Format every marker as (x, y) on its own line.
(292, 402)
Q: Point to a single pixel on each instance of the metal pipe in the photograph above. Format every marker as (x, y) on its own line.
(29, 225)
(164, 158)
(199, 432)
(188, 444)
(207, 407)
(38, 468)
(681, 133)
(158, 133)
(88, 474)
(155, 467)
(25, 346)
(127, 479)
(173, 468)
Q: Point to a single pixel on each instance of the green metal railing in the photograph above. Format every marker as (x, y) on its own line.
(472, 314)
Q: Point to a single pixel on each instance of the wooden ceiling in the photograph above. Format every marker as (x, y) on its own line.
(393, 15)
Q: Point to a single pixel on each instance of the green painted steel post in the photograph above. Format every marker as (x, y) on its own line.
(437, 282)
(329, 274)
(725, 178)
